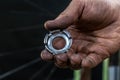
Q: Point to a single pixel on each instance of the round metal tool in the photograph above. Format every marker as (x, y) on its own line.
(49, 38)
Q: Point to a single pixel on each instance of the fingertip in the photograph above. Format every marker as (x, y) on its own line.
(52, 25)
(61, 60)
(75, 59)
(75, 62)
(47, 24)
(45, 55)
(62, 22)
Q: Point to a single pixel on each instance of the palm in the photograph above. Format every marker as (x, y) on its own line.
(94, 46)
(95, 28)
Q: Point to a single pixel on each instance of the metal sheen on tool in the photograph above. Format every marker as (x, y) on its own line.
(49, 38)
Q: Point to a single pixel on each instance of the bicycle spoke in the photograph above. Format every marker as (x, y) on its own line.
(21, 51)
(38, 73)
(37, 6)
(50, 73)
(19, 68)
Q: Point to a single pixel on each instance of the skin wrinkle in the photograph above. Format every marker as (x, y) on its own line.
(95, 29)
(82, 36)
(82, 47)
(108, 42)
(94, 60)
(92, 10)
(87, 61)
(106, 32)
(101, 52)
(106, 45)
(88, 39)
(106, 48)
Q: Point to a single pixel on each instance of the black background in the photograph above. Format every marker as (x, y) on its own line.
(21, 39)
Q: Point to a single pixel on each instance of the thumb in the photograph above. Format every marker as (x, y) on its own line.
(66, 18)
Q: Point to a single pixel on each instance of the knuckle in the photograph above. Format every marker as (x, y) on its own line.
(88, 63)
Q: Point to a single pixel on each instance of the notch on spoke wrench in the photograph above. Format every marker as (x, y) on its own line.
(49, 38)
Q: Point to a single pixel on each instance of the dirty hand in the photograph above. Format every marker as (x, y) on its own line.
(95, 29)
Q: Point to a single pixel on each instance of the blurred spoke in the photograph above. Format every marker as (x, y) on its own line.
(51, 73)
(21, 51)
(19, 68)
(38, 7)
(42, 69)
(23, 28)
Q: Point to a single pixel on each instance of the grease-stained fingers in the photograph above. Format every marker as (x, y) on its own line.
(75, 61)
(61, 60)
(47, 56)
(91, 60)
(67, 17)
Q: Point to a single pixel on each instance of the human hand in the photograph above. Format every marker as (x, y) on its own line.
(95, 29)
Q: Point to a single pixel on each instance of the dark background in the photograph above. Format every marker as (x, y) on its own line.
(21, 40)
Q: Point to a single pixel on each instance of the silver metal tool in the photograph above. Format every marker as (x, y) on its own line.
(49, 38)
